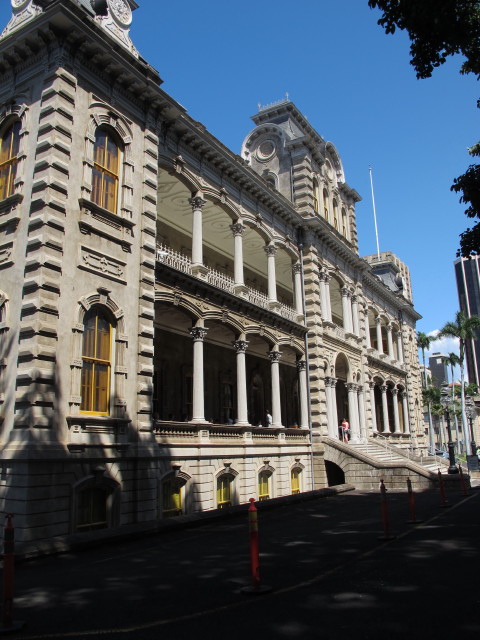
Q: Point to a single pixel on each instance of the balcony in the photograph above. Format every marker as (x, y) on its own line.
(187, 433)
(180, 262)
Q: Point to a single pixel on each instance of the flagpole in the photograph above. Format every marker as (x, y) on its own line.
(374, 214)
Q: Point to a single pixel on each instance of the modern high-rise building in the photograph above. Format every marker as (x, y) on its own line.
(438, 369)
(467, 275)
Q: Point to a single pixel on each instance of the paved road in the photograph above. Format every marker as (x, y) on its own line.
(331, 577)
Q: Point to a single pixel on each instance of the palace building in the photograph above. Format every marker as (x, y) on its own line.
(183, 328)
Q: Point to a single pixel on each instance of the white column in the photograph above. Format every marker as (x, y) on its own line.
(353, 411)
(333, 383)
(373, 411)
(361, 413)
(346, 309)
(324, 297)
(399, 346)
(302, 383)
(276, 405)
(297, 286)
(386, 423)
(406, 421)
(378, 322)
(197, 203)
(198, 411)
(356, 326)
(396, 417)
(328, 396)
(367, 329)
(390, 341)
(237, 230)
(242, 407)
(271, 250)
(329, 302)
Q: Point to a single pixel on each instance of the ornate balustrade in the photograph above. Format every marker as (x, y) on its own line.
(187, 432)
(183, 263)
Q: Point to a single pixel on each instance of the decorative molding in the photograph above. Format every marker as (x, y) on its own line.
(100, 263)
(22, 11)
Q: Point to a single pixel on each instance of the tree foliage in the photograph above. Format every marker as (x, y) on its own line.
(439, 29)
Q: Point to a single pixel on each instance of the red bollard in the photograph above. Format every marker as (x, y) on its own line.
(254, 552)
(384, 506)
(462, 481)
(441, 486)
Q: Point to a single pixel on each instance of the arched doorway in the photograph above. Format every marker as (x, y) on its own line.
(341, 374)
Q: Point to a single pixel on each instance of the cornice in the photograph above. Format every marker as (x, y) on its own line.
(69, 23)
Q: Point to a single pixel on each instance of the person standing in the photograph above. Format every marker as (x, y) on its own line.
(269, 419)
(345, 430)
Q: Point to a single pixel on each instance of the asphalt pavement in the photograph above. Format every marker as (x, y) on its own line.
(329, 571)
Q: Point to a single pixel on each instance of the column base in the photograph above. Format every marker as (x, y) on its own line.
(199, 271)
(241, 290)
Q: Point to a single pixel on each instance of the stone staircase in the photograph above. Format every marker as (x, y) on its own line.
(365, 464)
(390, 453)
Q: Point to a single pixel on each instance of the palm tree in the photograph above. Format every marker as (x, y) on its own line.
(423, 342)
(463, 328)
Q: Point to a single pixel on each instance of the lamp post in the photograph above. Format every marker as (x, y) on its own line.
(471, 414)
(446, 402)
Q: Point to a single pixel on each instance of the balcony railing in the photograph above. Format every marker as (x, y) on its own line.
(183, 263)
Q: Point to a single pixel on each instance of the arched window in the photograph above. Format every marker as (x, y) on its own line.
(9, 146)
(224, 490)
(344, 223)
(263, 485)
(325, 205)
(92, 509)
(295, 479)
(315, 196)
(172, 498)
(96, 365)
(335, 214)
(106, 168)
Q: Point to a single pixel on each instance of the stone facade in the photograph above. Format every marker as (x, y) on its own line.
(180, 326)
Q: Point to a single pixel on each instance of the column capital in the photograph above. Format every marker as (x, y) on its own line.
(371, 385)
(354, 298)
(240, 346)
(324, 276)
(403, 394)
(378, 320)
(393, 391)
(351, 386)
(270, 249)
(274, 356)
(389, 328)
(198, 333)
(345, 292)
(197, 203)
(301, 365)
(383, 388)
(237, 228)
(297, 268)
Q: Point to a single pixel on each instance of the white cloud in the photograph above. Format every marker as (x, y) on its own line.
(443, 345)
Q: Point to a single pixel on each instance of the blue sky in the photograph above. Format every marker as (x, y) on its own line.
(356, 87)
